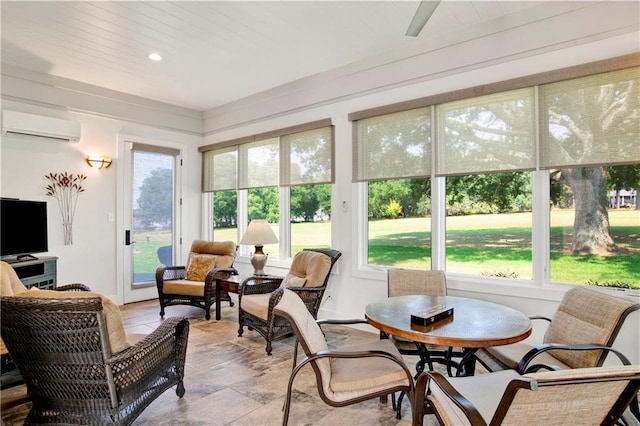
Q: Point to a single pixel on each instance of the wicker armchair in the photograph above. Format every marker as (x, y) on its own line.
(65, 350)
(194, 284)
(308, 277)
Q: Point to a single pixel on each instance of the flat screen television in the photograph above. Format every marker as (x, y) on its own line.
(23, 228)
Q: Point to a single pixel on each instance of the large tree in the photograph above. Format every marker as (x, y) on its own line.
(595, 121)
(155, 202)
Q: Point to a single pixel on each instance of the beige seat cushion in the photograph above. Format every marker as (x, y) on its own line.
(257, 305)
(10, 284)
(351, 377)
(115, 327)
(311, 266)
(184, 287)
(510, 356)
(483, 391)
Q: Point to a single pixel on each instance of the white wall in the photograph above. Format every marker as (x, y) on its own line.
(91, 259)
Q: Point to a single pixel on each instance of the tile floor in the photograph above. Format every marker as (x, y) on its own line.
(230, 380)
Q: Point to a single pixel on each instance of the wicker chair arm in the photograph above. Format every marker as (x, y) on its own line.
(525, 367)
(73, 287)
(148, 355)
(259, 285)
(469, 410)
(165, 273)
(219, 273)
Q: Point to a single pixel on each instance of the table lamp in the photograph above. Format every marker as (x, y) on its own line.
(259, 233)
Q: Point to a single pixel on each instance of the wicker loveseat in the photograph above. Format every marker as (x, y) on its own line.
(194, 283)
(78, 366)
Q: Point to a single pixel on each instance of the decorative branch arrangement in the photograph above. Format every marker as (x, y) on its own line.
(66, 187)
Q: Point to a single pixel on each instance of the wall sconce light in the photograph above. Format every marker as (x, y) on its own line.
(99, 162)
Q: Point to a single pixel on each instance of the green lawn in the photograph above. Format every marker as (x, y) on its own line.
(476, 244)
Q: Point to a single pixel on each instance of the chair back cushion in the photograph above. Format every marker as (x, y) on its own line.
(115, 328)
(570, 396)
(585, 316)
(404, 282)
(10, 284)
(205, 255)
(311, 266)
(306, 329)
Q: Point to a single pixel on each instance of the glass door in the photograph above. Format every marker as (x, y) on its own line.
(150, 217)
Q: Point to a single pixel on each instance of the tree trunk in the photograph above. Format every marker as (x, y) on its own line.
(591, 221)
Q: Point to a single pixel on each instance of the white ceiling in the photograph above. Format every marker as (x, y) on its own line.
(216, 52)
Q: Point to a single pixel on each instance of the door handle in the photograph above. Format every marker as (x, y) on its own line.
(127, 238)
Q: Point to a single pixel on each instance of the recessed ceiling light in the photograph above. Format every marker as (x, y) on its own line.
(155, 56)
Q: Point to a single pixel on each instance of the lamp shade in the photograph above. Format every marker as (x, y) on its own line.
(259, 233)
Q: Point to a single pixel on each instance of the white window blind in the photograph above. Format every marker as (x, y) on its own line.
(392, 146)
(591, 120)
(220, 169)
(484, 134)
(307, 157)
(297, 155)
(259, 164)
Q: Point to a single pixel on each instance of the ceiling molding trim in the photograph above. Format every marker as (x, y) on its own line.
(56, 92)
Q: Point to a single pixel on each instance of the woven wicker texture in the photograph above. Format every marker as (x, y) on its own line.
(60, 347)
(176, 284)
(275, 327)
(583, 316)
(585, 396)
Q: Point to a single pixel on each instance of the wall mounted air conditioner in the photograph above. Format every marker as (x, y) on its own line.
(51, 129)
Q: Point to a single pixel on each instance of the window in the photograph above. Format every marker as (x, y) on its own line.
(283, 176)
(399, 223)
(579, 126)
(591, 124)
(393, 155)
(488, 225)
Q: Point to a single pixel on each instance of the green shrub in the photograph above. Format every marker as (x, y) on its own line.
(616, 284)
(393, 209)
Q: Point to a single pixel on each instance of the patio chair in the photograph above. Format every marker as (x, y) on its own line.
(344, 375)
(165, 255)
(77, 364)
(404, 282)
(194, 284)
(308, 276)
(585, 319)
(586, 396)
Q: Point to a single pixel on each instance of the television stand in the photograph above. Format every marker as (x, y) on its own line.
(37, 272)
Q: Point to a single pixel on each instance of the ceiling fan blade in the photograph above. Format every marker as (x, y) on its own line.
(424, 12)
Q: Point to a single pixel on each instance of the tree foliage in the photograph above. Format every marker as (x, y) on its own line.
(155, 202)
